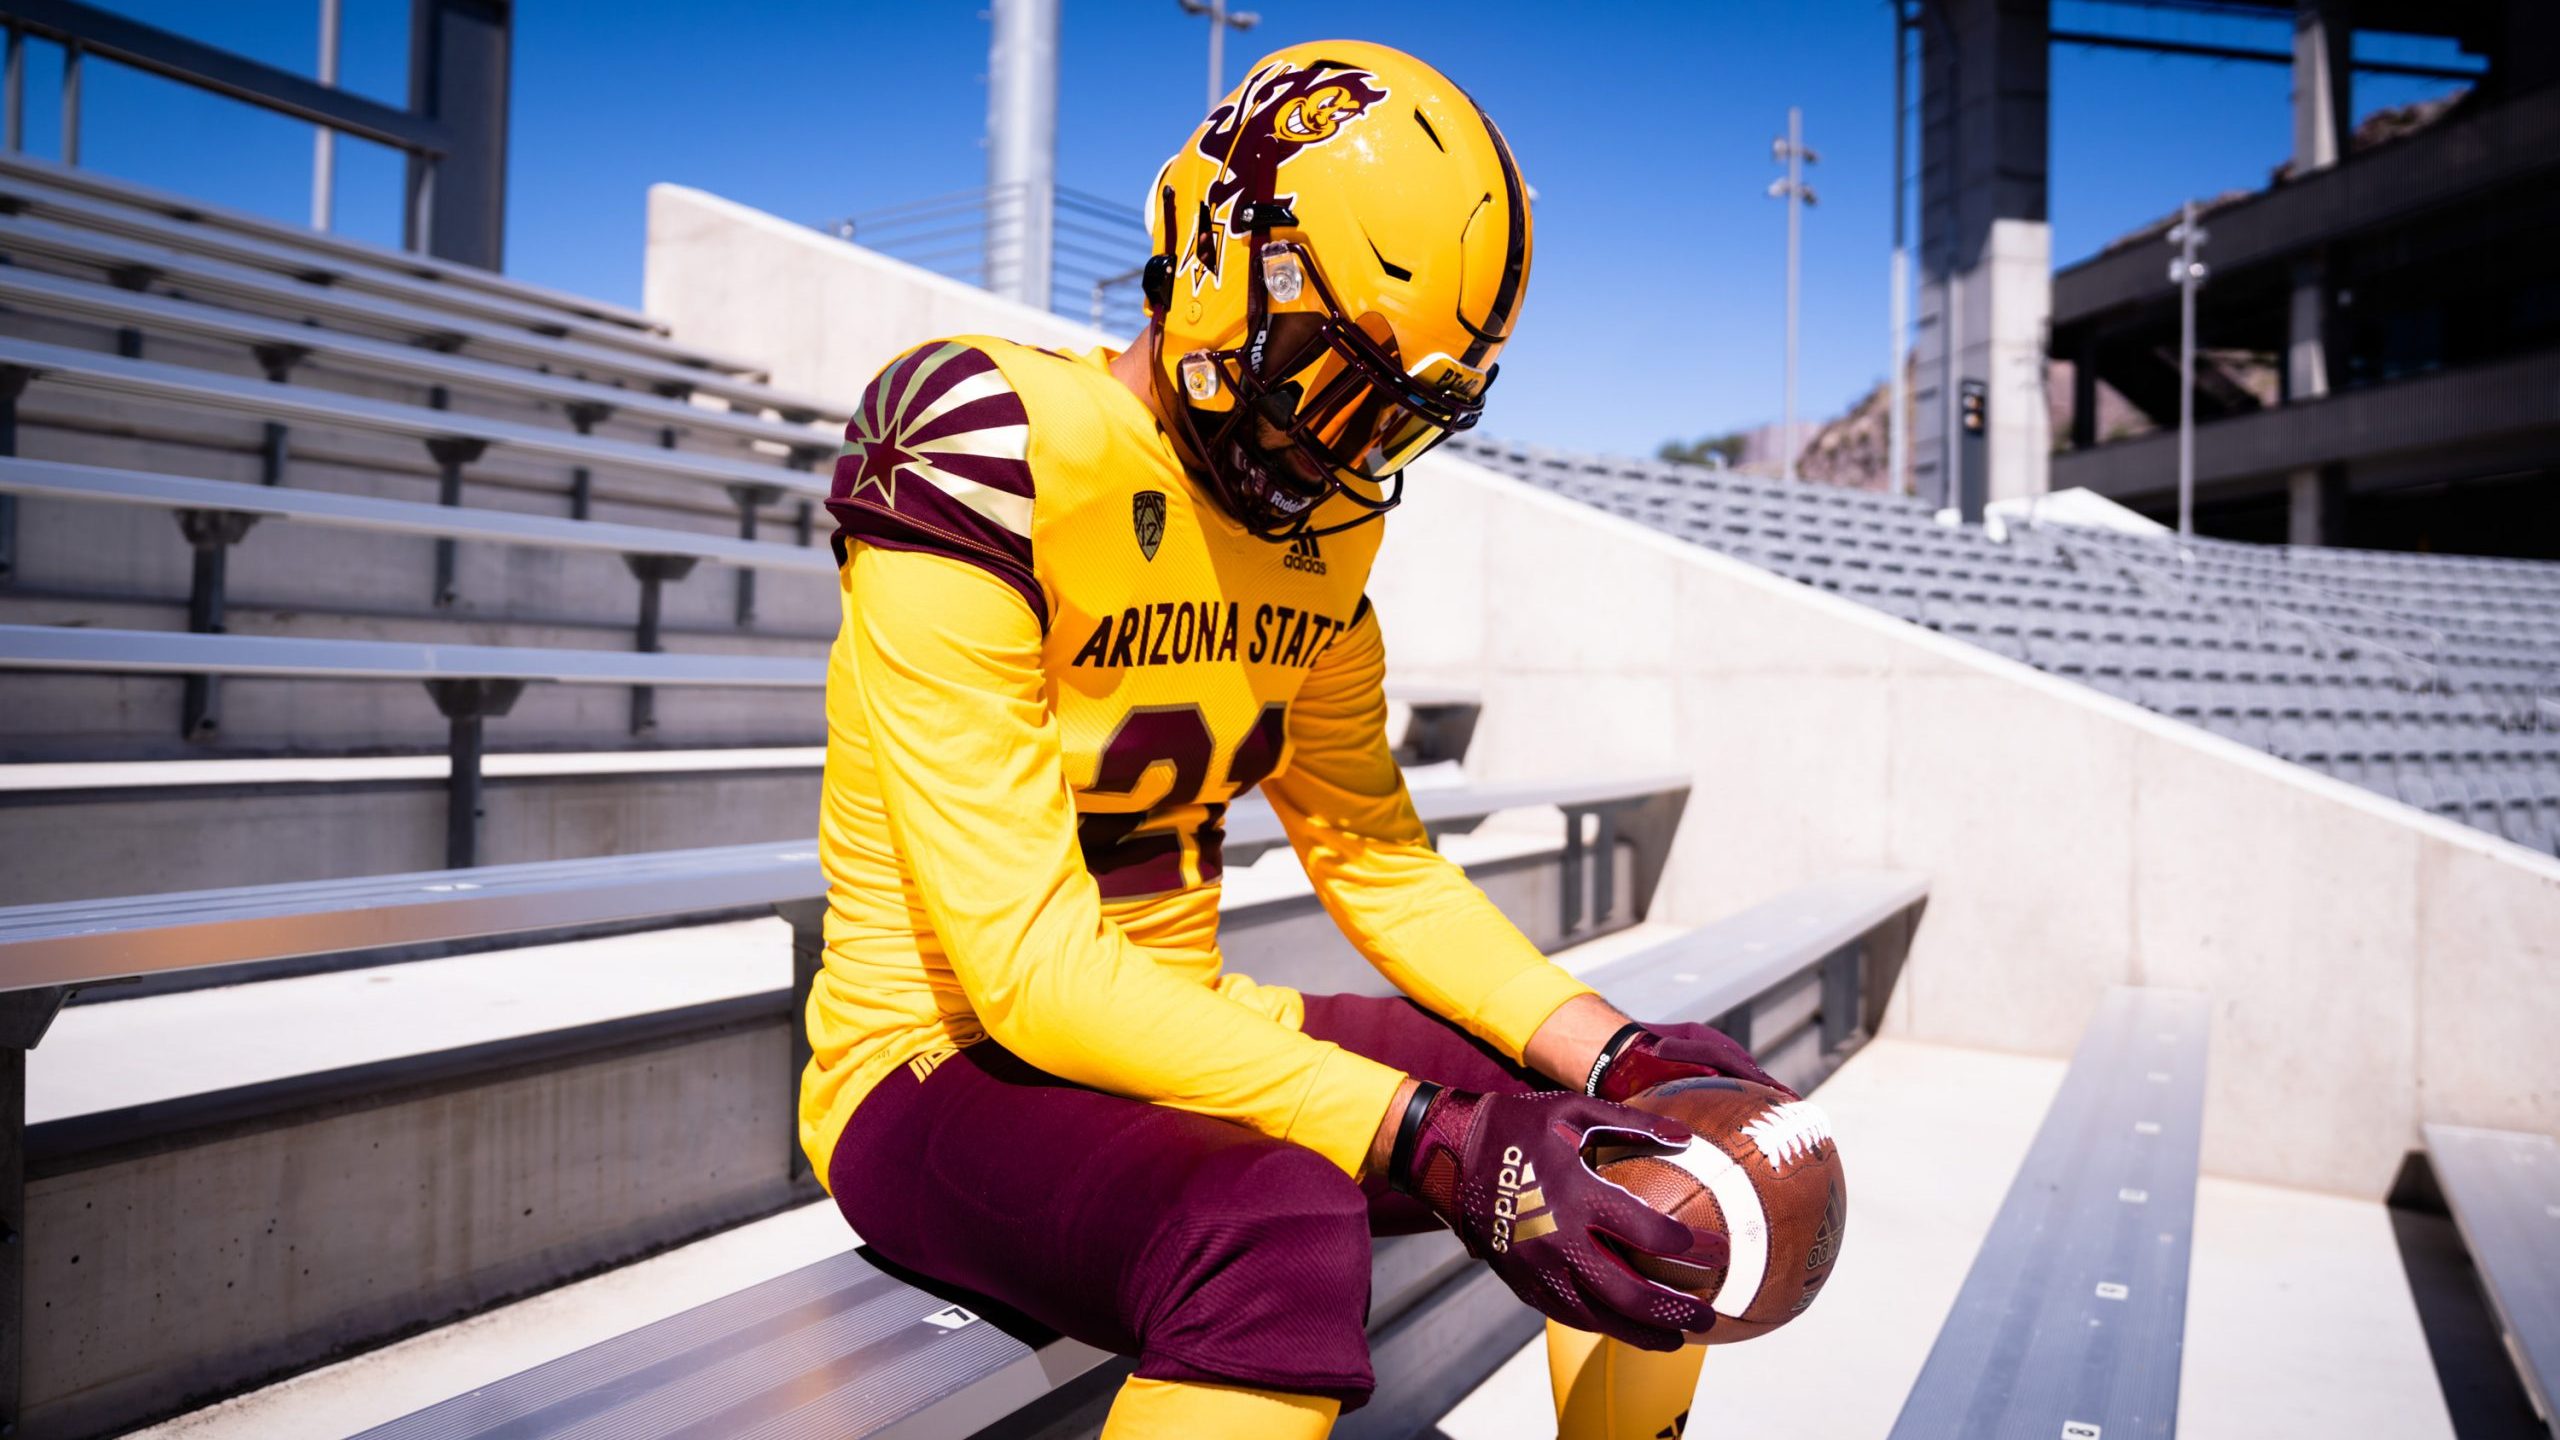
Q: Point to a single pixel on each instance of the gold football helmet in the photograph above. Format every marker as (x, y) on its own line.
(1341, 250)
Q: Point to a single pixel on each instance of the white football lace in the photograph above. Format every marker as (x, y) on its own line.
(1789, 1132)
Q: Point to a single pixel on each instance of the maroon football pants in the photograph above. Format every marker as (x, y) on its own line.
(1210, 1252)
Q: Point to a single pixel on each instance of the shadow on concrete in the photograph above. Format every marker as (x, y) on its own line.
(2482, 1392)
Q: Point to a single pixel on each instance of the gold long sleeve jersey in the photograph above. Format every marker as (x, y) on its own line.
(1059, 663)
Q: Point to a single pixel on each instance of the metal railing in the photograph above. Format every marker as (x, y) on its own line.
(82, 30)
(1097, 248)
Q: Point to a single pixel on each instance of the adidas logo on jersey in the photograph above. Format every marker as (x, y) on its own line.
(1303, 555)
(1519, 1203)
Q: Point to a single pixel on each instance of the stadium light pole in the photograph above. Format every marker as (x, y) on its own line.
(1221, 20)
(2187, 272)
(324, 141)
(1789, 150)
(1022, 149)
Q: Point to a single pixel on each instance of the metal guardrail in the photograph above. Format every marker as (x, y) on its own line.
(1098, 247)
(87, 28)
(454, 140)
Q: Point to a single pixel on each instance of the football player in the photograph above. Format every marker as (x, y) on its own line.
(1090, 600)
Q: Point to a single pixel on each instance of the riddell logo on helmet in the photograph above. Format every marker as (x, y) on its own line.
(1517, 1197)
(1280, 112)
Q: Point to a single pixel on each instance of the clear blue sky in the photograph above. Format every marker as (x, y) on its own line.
(1657, 305)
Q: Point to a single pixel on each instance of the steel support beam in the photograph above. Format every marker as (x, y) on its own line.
(586, 415)
(450, 453)
(751, 500)
(459, 51)
(465, 704)
(13, 384)
(211, 533)
(653, 571)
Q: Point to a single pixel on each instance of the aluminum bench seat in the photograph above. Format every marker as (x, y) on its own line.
(164, 315)
(421, 322)
(188, 209)
(2072, 1321)
(21, 194)
(79, 649)
(2504, 1190)
(56, 480)
(207, 390)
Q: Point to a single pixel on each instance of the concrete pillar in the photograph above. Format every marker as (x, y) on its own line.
(2306, 356)
(1022, 148)
(2323, 117)
(2316, 508)
(2323, 83)
(1986, 255)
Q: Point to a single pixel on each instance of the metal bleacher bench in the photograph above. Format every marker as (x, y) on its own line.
(281, 344)
(2071, 1323)
(139, 264)
(187, 210)
(472, 684)
(453, 439)
(461, 435)
(23, 195)
(2504, 1190)
(841, 1348)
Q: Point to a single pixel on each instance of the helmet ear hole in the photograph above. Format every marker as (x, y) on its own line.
(1157, 283)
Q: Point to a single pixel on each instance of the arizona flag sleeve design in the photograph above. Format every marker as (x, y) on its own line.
(936, 460)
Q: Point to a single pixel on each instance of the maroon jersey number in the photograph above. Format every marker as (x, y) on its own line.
(1127, 860)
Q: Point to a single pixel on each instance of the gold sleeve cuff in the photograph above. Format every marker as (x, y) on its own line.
(1513, 1013)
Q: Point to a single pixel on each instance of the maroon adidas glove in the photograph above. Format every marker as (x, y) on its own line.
(1508, 1173)
(1640, 1057)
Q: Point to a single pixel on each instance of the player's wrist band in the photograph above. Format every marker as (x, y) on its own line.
(1608, 1055)
(1409, 1135)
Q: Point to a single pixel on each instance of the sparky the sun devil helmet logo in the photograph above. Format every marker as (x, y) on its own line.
(1280, 111)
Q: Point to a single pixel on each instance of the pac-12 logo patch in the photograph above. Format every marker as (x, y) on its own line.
(1146, 516)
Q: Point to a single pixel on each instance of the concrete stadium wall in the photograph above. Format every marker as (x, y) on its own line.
(823, 313)
(2371, 966)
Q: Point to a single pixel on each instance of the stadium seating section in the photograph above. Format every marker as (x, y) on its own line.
(2434, 680)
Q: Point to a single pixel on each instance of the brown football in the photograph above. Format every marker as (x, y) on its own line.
(1765, 1174)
